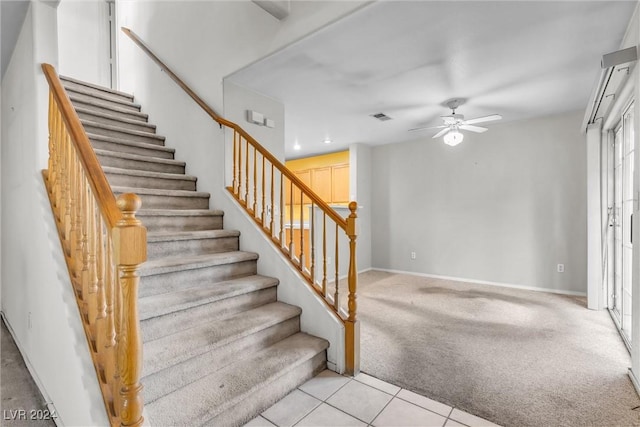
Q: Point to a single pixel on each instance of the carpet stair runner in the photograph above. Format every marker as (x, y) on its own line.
(218, 346)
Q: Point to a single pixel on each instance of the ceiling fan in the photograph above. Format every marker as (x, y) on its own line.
(453, 123)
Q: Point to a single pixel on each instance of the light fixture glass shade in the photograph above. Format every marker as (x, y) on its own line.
(453, 138)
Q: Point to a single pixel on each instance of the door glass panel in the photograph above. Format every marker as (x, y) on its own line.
(623, 206)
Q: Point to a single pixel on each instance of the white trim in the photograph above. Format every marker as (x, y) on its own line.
(484, 282)
(634, 381)
(48, 403)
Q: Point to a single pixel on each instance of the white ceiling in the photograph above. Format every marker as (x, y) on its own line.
(520, 59)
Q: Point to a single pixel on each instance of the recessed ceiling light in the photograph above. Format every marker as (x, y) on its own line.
(327, 141)
(296, 146)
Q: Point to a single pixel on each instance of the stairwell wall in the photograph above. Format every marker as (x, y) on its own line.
(203, 42)
(37, 299)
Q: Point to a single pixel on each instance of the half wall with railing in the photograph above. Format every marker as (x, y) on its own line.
(318, 242)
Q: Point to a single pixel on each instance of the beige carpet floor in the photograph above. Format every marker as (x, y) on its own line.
(515, 357)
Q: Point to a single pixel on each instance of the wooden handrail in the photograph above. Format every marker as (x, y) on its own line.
(224, 122)
(302, 259)
(97, 179)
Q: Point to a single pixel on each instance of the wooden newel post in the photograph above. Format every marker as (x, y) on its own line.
(352, 326)
(130, 244)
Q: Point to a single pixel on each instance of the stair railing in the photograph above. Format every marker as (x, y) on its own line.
(280, 203)
(103, 245)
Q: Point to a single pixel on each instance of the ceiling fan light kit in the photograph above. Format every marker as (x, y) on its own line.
(453, 138)
(454, 122)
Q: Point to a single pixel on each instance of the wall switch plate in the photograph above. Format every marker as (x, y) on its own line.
(269, 123)
(560, 268)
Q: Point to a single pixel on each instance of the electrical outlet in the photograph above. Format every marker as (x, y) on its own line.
(413, 255)
(560, 268)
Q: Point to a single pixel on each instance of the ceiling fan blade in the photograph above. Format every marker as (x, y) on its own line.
(490, 118)
(477, 129)
(425, 128)
(442, 132)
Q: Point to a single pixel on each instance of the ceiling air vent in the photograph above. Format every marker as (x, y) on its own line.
(381, 116)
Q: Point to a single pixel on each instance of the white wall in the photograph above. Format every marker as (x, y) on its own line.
(505, 207)
(37, 298)
(84, 41)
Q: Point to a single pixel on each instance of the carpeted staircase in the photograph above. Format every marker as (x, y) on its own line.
(218, 346)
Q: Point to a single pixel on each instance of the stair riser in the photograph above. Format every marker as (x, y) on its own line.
(122, 148)
(123, 135)
(191, 247)
(176, 223)
(117, 162)
(151, 201)
(103, 109)
(161, 326)
(120, 180)
(142, 127)
(212, 359)
(167, 282)
(70, 84)
(262, 399)
(88, 98)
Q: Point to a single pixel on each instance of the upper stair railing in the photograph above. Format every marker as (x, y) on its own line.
(103, 245)
(310, 233)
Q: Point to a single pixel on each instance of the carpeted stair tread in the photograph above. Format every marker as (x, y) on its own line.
(169, 265)
(88, 103)
(171, 302)
(181, 219)
(113, 120)
(129, 143)
(138, 157)
(180, 212)
(212, 395)
(148, 174)
(148, 135)
(163, 236)
(107, 90)
(159, 192)
(176, 348)
(103, 97)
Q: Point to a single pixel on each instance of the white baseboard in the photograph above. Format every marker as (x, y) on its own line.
(49, 404)
(634, 381)
(484, 282)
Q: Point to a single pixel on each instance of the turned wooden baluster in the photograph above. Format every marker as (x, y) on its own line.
(352, 326)
(336, 256)
(324, 254)
(272, 203)
(83, 247)
(262, 218)
(235, 143)
(246, 174)
(101, 316)
(130, 243)
(255, 183)
(111, 374)
(92, 274)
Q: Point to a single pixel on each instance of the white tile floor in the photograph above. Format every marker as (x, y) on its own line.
(334, 400)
